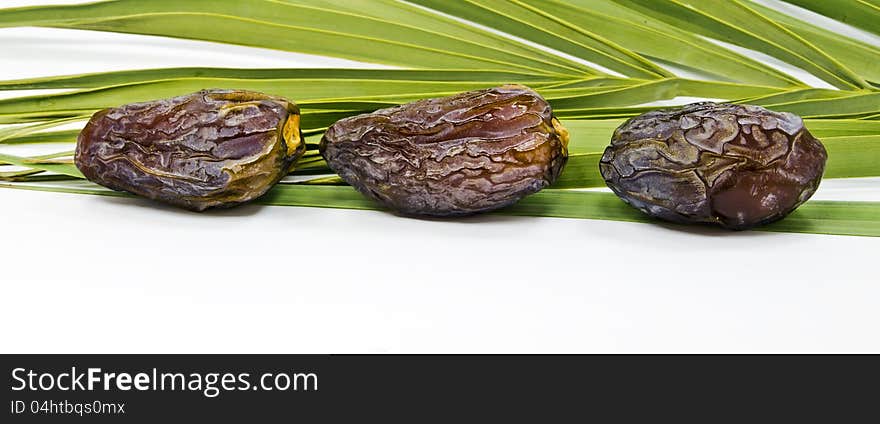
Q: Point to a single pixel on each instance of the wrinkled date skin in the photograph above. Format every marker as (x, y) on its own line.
(468, 153)
(738, 166)
(214, 148)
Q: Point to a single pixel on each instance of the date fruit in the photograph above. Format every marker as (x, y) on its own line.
(458, 155)
(213, 148)
(737, 166)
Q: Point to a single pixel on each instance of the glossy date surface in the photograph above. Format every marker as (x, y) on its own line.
(737, 166)
(213, 148)
(458, 155)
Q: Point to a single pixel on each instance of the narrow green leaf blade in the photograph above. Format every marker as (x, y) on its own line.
(290, 27)
(814, 217)
(61, 168)
(520, 19)
(734, 22)
(864, 14)
(118, 78)
(655, 39)
(862, 58)
(858, 105)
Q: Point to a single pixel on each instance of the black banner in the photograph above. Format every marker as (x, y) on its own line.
(222, 388)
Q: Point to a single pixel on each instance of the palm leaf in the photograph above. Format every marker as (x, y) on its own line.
(649, 43)
(37, 164)
(856, 105)
(735, 22)
(862, 58)
(338, 93)
(299, 28)
(622, 29)
(533, 24)
(108, 79)
(816, 217)
(864, 14)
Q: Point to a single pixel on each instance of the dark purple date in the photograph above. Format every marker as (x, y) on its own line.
(737, 166)
(458, 155)
(214, 148)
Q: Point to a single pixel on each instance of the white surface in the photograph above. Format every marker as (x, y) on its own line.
(93, 274)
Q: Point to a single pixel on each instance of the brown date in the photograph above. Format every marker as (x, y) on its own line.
(737, 166)
(213, 148)
(468, 153)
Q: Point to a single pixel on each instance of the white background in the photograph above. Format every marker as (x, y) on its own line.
(90, 274)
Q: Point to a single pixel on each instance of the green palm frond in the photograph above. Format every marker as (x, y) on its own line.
(616, 59)
(864, 14)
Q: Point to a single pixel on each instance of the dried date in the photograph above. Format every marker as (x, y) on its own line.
(737, 166)
(468, 153)
(213, 148)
